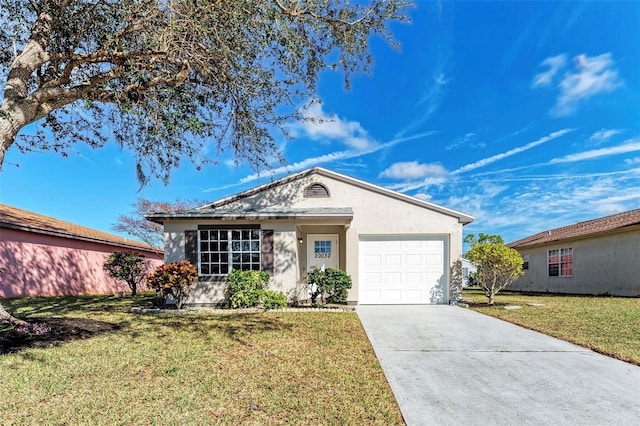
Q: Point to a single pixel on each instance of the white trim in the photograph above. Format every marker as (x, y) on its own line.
(462, 217)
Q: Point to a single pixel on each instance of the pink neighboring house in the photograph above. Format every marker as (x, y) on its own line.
(44, 256)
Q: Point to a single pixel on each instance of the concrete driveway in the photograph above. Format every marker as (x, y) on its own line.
(452, 366)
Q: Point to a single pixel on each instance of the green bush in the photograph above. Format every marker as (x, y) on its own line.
(331, 285)
(245, 287)
(273, 299)
(174, 279)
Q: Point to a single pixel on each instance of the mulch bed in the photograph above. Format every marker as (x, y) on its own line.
(61, 330)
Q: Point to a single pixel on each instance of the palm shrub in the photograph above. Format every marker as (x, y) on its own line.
(331, 285)
(174, 279)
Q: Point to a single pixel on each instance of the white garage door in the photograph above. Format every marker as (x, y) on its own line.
(402, 270)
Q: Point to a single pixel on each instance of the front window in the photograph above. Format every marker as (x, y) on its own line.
(222, 250)
(525, 261)
(560, 262)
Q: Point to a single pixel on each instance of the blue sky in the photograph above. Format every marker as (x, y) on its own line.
(525, 115)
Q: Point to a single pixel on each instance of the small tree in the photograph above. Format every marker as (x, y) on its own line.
(150, 232)
(128, 266)
(497, 265)
(174, 279)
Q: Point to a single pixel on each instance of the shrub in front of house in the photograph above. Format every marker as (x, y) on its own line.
(174, 279)
(331, 285)
(247, 289)
(273, 299)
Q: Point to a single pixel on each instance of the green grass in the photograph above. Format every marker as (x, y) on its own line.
(263, 368)
(609, 325)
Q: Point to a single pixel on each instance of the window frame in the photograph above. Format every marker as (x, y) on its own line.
(525, 262)
(562, 262)
(239, 251)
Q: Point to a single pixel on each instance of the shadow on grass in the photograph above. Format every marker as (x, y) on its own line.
(238, 327)
(63, 330)
(61, 305)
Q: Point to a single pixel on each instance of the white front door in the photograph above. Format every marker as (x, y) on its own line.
(322, 250)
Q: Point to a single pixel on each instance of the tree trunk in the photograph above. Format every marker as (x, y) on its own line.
(7, 134)
(491, 296)
(6, 316)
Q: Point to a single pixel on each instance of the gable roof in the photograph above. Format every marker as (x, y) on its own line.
(208, 209)
(582, 229)
(24, 220)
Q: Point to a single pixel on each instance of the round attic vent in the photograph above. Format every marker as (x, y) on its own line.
(316, 190)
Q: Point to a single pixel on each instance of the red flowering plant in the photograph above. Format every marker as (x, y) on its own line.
(174, 279)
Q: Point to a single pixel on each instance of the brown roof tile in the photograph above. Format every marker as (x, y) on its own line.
(581, 229)
(13, 217)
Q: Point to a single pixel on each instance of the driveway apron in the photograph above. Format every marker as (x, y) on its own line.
(452, 366)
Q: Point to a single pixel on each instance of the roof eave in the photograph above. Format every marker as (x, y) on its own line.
(462, 217)
(631, 227)
(69, 235)
(160, 219)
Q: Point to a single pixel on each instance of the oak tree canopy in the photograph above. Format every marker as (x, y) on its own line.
(165, 78)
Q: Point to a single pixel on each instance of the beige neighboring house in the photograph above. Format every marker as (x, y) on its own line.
(397, 249)
(599, 257)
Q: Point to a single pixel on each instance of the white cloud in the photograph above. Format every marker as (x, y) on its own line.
(632, 161)
(514, 151)
(530, 207)
(460, 141)
(413, 170)
(319, 125)
(334, 156)
(603, 135)
(422, 196)
(554, 64)
(592, 76)
(428, 104)
(629, 146)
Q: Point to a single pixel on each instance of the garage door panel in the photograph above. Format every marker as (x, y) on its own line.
(373, 296)
(393, 260)
(393, 296)
(413, 277)
(392, 244)
(392, 278)
(400, 269)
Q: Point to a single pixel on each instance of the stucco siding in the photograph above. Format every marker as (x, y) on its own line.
(44, 265)
(209, 291)
(374, 214)
(607, 264)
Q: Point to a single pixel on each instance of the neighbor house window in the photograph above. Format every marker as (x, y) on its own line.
(560, 262)
(221, 250)
(525, 261)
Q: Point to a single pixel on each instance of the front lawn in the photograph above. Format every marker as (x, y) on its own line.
(101, 365)
(609, 325)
